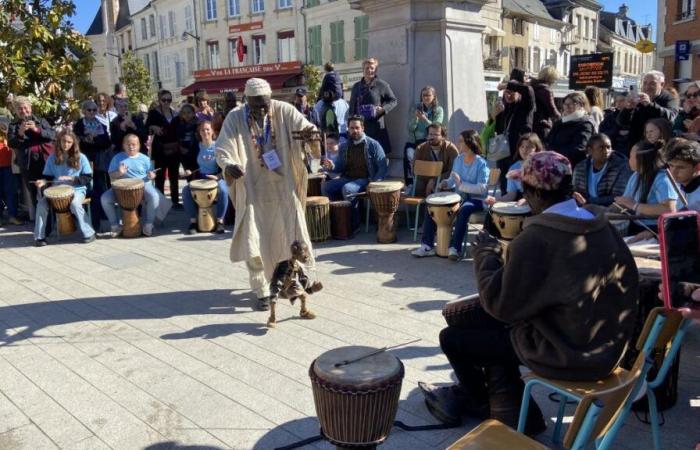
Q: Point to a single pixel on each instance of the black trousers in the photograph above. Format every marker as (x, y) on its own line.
(172, 164)
(486, 365)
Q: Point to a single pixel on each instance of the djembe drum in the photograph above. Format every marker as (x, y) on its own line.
(356, 395)
(509, 217)
(314, 184)
(460, 313)
(385, 197)
(60, 197)
(318, 220)
(443, 207)
(341, 219)
(204, 193)
(129, 194)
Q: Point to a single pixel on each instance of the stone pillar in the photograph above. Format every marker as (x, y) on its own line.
(424, 42)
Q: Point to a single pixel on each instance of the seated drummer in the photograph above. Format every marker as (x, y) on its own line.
(208, 169)
(436, 148)
(66, 166)
(683, 158)
(360, 161)
(563, 304)
(603, 175)
(649, 191)
(470, 173)
(131, 163)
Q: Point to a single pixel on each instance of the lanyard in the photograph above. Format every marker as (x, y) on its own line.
(263, 140)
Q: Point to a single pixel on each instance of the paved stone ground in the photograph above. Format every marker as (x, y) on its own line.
(153, 344)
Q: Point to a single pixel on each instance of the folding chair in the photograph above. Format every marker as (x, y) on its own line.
(428, 169)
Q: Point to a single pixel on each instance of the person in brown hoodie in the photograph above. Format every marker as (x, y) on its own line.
(436, 148)
(563, 303)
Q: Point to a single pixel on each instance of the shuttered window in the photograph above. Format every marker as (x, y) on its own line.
(361, 41)
(315, 55)
(338, 41)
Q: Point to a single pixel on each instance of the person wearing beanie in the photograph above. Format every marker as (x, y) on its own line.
(563, 304)
(266, 176)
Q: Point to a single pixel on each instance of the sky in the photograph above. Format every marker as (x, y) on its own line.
(643, 11)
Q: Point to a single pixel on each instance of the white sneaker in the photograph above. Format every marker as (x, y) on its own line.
(453, 254)
(423, 251)
(148, 229)
(115, 231)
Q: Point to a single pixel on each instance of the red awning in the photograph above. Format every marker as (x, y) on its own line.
(236, 84)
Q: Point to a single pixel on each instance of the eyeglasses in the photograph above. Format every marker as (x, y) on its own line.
(693, 95)
(91, 110)
(166, 100)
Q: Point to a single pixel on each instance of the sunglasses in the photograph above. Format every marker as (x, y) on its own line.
(166, 100)
(91, 110)
(693, 95)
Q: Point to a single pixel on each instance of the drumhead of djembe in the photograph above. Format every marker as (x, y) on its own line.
(60, 196)
(127, 184)
(383, 187)
(370, 371)
(443, 199)
(203, 185)
(317, 201)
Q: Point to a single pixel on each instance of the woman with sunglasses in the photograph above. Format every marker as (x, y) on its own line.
(94, 142)
(687, 123)
(603, 175)
(165, 150)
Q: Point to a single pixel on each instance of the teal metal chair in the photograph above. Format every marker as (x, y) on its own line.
(576, 391)
(421, 169)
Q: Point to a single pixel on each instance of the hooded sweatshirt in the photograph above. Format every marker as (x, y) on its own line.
(569, 291)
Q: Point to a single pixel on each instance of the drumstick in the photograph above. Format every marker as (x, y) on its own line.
(376, 352)
(676, 188)
(624, 210)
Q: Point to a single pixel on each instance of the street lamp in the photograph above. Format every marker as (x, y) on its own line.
(197, 38)
(187, 33)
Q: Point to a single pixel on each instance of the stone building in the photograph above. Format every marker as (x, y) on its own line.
(580, 36)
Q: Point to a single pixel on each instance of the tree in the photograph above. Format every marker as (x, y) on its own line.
(312, 79)
(41, 54)
(137, 80)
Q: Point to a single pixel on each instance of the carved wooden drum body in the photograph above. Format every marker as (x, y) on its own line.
(318, 218)
(385, 197)
(60, 197)
(204, 193)
(129, 195)
(443, 208)
(509, 217)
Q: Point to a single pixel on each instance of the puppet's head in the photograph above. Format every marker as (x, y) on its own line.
(300, 252)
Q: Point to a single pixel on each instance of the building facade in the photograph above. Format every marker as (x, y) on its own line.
(102, 37)
(678, 20)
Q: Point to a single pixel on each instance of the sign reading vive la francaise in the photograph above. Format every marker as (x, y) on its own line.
(595, 69)
(290, 67)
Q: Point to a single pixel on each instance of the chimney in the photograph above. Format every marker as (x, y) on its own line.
(622, 12)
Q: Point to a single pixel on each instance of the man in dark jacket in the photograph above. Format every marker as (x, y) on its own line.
(563, 303)
(651, 103)
(618, 135)
(515, 119)
(602, 176)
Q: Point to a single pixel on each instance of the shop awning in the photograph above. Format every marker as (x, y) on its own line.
(238, 84)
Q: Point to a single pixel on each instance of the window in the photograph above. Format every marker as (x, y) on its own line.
(518, 26)
(144, 29)
(156, 66)
(213, 52)
(518, 57)
(594, 29)
(686, 9)
(315, 56)
(283, 4)
(179, 72)
(586, 30)
(171, 23)
(211, 9)
(259, 49)
(310, 3)
(536, 31)
(147, 63)
(257, 6)
(189, 21)
(161, 26)
(578, 25)
(168, 62)
(286, 50)
(152, 25)
(234, 8)
(338, 41)
(536, 59)
(361, 42)
(190, 61)
(233, 52)
(552, 36)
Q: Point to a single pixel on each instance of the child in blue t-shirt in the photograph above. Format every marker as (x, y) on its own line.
(66, 166)
(131, 163)
(528, 144)
(208, 169)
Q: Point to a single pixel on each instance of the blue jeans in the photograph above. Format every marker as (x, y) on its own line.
(150, 204)
(221, 201)
(341, 188)
(460, 226)
(8, 190)
(76, 207)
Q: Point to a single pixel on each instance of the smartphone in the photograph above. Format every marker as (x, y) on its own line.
(679, 242)
(634, 93)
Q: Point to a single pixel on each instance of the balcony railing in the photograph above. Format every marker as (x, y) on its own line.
(686, 15)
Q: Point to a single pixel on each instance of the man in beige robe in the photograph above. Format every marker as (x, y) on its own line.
(269, 201)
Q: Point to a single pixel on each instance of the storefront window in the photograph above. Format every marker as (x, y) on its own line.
(259, 49)
(213, 51)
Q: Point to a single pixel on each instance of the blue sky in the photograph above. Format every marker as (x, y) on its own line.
(641, 11)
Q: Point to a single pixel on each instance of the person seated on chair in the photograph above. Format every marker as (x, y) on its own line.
(332, 150)
(66, 166)
(208, 169)
(563, 304)
(470, 173)
(131, 163)
(683, 158)
(360, 161)
(436, 148)
(528, 144)
(603, 175)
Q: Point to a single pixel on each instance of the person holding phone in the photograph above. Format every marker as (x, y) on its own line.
(687, 124)
(126, 123)
(651, 102)
(424, 113)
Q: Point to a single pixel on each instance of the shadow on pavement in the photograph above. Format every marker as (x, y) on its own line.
(171, 445)
(30, 318)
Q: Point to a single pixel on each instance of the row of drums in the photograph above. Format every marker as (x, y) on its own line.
(326, 219)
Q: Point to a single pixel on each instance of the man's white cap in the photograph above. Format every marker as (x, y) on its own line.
(257, 87)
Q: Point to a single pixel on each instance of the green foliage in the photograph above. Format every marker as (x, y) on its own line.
(137, 80)
(312, 79)
(41, 55)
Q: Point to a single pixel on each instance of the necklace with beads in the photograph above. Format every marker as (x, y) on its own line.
(261, 138)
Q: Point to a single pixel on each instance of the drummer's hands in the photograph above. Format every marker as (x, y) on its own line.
(521, 202)
(40, 183)
(151, 174)
(643, 236)
(430, 187)
(212, 177)
(625, 202)
(65, 178)
(327, 163)
(580, 199)
(490, 200)
(444, 184)
(122, 169)
(455, 176)
(188, 173)
(688, 313)
(234, 171)
(485, 242)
